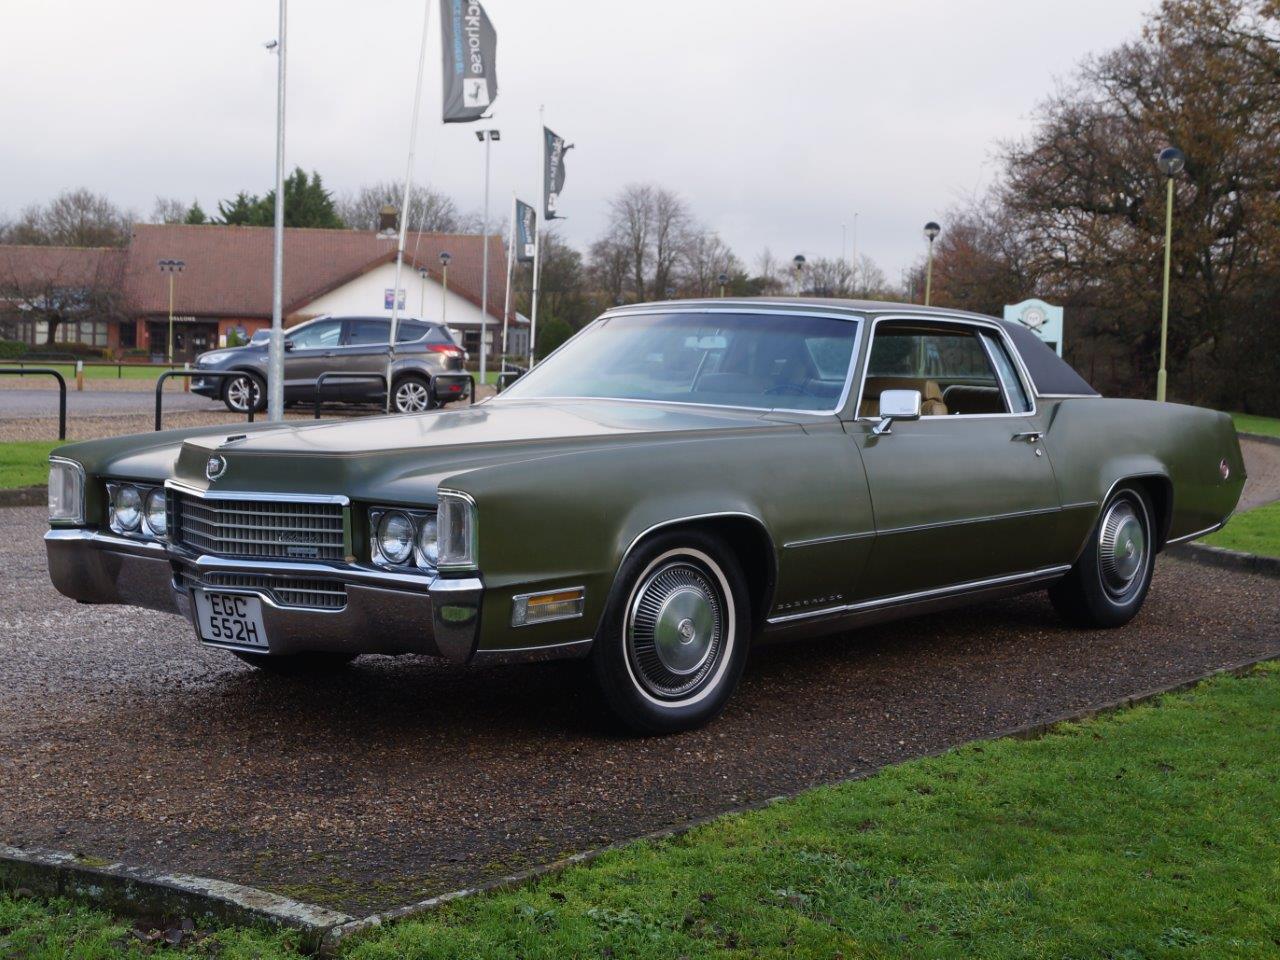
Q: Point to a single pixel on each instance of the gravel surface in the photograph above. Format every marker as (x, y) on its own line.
(121, 737)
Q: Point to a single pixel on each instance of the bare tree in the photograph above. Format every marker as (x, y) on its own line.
(429, 210)
(74, 218)
(59, 286)
(168, 210)
(705, 257)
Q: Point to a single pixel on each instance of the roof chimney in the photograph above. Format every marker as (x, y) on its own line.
(388, 220)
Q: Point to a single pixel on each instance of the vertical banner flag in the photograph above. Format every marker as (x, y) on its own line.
(526, 231)
(553, 171)
(469, 42)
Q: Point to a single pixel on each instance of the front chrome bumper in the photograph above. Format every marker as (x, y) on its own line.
(383, 612)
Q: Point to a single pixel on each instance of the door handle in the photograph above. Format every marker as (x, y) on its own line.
(1030, 436)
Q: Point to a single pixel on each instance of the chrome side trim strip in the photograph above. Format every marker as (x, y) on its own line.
(1199, 533)
(1081, 505)
(1042, 574)
(275, 496)
(834, 538)
(1039, 511)
(697, 516)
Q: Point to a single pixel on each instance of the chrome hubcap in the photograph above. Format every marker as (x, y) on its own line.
(241, 392)
(1122, 547)
(675, 629)
(412, 397)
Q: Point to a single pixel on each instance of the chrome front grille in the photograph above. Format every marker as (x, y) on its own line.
(260, 529)
(285, 591)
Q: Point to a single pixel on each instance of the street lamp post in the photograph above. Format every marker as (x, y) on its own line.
(422, 293)
(723, 280)
(445, 257)
(171, 267)
(1171, 161)
(797, 264)
(487, 137)
(931, 231)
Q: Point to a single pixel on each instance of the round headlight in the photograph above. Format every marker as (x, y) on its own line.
(395, 536)
(154, 516)
(428, 542)
(128, 507)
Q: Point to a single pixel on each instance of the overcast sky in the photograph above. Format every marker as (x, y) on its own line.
(776, 121)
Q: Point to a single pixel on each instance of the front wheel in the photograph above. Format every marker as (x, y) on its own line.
(413, 395)
(1109, 581)
(242, 391)
(674, 636)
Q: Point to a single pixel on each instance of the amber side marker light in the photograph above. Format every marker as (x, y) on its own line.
(529, 608)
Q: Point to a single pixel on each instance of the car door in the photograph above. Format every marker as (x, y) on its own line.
(311, 350)
(966, 493)
(364, 350)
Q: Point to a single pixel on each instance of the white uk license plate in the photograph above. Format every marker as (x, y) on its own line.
(230, 618)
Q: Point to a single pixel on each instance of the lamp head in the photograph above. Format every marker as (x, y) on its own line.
(445, 257)
(1171, 161)
(798, 261)
(931, 231)
(722, 279)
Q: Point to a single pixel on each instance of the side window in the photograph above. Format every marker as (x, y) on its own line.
(1019, 402)
(367, 332)
(409, 330)
(322, 333)
(947, 363)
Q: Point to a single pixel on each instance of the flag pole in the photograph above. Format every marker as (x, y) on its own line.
(404, 203)
(275, 349)
(506, 303)
(484, 271)
(537, 244)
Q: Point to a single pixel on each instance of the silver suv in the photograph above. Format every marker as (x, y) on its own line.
(424, 352)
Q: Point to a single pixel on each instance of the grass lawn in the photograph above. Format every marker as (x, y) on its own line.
(1254, 531)
(1247, 423)
(68, 370)
(1151, 833)
(25, 463)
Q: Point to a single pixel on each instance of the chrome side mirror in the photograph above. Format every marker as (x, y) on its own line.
(288, 345)
(896, 405)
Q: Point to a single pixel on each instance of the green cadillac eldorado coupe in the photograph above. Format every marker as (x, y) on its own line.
(678, 481)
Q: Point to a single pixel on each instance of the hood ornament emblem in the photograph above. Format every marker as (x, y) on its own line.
(215, 468)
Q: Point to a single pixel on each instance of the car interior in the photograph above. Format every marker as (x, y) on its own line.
(957, 370)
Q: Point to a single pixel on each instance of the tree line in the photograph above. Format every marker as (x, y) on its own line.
(1077, 215)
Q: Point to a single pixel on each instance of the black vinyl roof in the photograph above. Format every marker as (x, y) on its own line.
(1050, 374)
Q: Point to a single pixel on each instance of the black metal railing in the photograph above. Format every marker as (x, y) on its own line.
(509, 376)
(216, 374)
(344, 375)
(62, 391)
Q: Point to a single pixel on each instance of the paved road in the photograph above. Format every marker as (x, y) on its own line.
(121, 737)
(20, 404)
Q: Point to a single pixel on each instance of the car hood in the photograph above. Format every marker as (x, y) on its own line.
(387, 453)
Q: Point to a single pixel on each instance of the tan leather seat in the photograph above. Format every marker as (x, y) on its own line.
(931, 403)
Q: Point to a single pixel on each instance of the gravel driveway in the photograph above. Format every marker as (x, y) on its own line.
(121, 737)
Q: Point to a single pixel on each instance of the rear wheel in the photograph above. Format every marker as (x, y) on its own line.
(297, 664)
(413, 395)
(1109, 581)
(675, 633)
(241, 392)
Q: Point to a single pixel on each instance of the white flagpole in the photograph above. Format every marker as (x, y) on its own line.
(506, 303)
(275, 350)
(404, 204)
(484, 271)
(541, 223)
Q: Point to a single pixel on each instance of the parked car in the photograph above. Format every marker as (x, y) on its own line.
(424, 350)
(675, 483)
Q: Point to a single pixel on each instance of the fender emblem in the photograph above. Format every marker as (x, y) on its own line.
(215, 468)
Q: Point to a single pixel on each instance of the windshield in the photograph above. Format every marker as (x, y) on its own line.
(767, 361)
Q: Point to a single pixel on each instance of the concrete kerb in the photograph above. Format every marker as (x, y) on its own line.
(140, 892)
(1234, 559)
(24, 497)
(137, 891)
